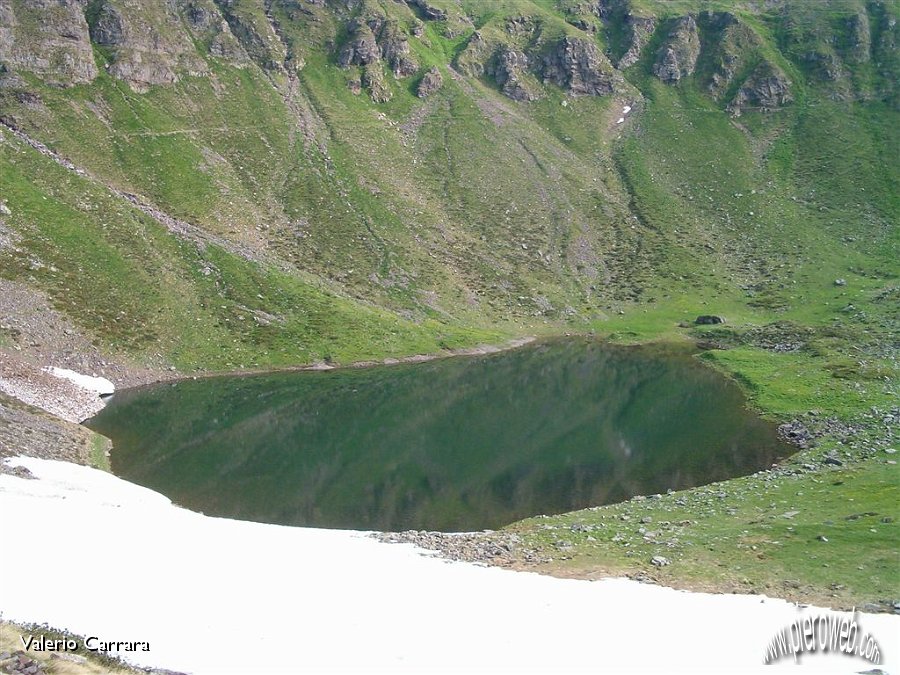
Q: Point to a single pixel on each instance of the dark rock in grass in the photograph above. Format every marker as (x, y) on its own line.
(640, 31)
(708, 320)
(767, 88)
(429, 12)
(580, 67)
(677, 58)
(509, 68)
(833, 461)
(795, 432)
(430, 83)
(395, 51)
(361, 49)
(373, 80)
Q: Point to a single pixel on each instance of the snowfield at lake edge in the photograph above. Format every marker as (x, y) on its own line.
(102, 557)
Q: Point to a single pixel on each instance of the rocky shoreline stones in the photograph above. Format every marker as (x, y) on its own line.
(495, 548)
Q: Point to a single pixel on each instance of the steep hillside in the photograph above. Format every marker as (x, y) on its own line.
(459, 164)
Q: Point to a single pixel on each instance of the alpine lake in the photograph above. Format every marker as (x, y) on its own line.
(453, 444)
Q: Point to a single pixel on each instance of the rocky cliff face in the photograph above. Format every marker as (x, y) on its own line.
(428, 10)
(253, 29)
(509, 69)
(733, 55)
(48, 38)
(481, 201)
(159, 42)
(209, 27)
(578, 66)
(640, 30)
(146, 44)
(574, 64)
(767, 88)
(430, 83)
(677, 58)
(373, 41)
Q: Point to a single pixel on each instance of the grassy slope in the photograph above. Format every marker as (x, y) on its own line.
(137, 288)
(421, 225)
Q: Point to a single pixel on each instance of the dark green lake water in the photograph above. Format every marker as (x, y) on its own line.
(463, 443)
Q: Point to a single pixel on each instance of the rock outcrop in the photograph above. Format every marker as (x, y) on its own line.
(430, 84)
(427, 10)
(472, 60)
(578, 66)
(639, 29)
(735, 56)
(677, 58)
(48, 38)
(824, 64)
(146, 44)
(735, 46)
(373, 80)
(373, 42)
(255, 33)
(158, 42)
(886, 55)
(361, 49)
(767, 88)
(395, 50)
(208, 26)
(510, 71)
(572, 63)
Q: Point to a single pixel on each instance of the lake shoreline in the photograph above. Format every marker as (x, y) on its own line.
(452, 445)
(322, 366)
(31, 383)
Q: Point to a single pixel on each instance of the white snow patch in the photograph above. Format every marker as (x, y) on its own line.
(626, 110)
(103, 557)
(620, 120)
(99, 385)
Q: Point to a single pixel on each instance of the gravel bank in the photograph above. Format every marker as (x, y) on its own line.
(34, 336)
